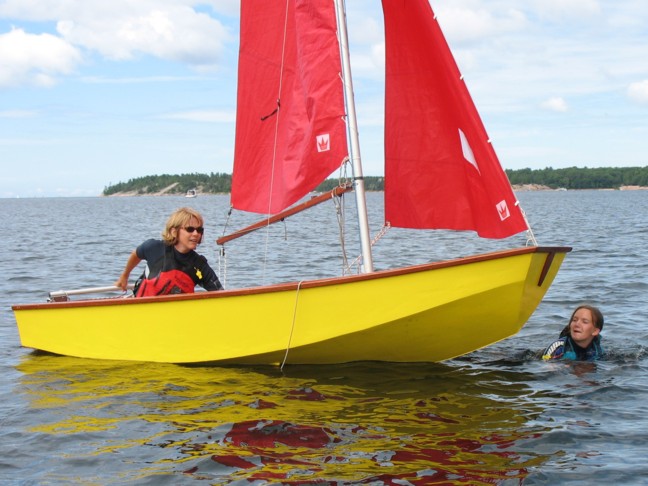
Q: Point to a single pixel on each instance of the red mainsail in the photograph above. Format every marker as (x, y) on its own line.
(290, 128)
(440, 169)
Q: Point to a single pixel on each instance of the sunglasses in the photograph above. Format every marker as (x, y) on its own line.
(191, 229)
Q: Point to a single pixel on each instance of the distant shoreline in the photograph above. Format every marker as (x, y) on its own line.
(540, 187)
(633, 188)
(516, 188)
(572, 178)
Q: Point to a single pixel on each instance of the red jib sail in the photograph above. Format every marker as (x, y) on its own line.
(290, 128)
(440, 169)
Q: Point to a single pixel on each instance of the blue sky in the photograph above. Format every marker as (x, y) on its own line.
(93, 92)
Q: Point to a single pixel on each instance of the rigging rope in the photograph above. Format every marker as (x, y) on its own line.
(222, 266)
(383, 231)
(222, 259)
(531, 239)
(343, 179)
(292, 328)
(276, 112)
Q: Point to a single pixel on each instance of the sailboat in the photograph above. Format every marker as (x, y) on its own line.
(296, 125)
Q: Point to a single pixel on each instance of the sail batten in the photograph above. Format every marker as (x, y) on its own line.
(441, 171)
(290, 130)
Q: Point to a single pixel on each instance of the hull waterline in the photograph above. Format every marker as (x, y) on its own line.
(424, 313)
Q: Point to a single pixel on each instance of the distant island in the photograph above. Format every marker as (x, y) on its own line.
(521, 179)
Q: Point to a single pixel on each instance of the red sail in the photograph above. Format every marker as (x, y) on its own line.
(290, 128)
(440, 169)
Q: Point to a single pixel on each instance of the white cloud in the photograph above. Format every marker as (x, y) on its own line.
(34, 59)
(462, 24)
(556, 104)
(176, 33)
(171, 30)
(210, 116)
(638, 92)
(559, 10)
(140, 79)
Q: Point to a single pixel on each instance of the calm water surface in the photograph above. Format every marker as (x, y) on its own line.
(497, 416)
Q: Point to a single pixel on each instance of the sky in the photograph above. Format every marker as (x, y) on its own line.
(93, 92)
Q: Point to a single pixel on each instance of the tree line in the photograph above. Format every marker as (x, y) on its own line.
(568, 178)
(213, 183)
(581, 178)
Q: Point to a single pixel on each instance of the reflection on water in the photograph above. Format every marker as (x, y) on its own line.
(500, 415)
(352, 423)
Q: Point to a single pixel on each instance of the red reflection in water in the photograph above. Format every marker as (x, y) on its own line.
(234, 461)
(262, 404)
(268, 433)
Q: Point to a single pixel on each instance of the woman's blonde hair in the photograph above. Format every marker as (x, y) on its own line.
(179, 219)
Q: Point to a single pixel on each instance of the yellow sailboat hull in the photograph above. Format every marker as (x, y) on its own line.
(424, 313)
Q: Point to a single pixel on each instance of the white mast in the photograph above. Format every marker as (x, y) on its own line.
(356, 163)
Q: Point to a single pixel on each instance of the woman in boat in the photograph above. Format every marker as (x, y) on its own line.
(580, 340)
(172, 264)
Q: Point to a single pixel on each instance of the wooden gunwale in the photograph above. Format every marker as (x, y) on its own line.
(295, 285)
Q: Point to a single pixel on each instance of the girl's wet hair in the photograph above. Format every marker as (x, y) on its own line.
(597, 316)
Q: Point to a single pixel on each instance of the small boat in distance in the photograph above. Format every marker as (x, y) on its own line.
(191, 193)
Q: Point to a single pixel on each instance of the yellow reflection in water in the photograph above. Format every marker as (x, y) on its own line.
(356, 422)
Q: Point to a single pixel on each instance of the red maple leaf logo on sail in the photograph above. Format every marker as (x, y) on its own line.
(503, 210)
(323, 142)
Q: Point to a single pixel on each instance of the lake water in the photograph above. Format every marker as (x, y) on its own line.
(497, 416)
